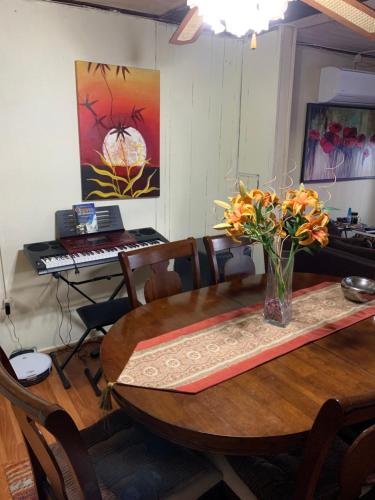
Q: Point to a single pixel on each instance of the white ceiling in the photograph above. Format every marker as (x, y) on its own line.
(314, 30)
(155, 7)
(334, 35)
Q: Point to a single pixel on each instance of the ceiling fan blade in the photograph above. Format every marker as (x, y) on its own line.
(351, 13)
(189, 29)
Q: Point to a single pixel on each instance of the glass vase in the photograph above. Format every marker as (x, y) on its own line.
(278, 301)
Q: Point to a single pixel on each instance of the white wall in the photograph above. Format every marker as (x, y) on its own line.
(359, 195)
(266, 100)
(200, 123)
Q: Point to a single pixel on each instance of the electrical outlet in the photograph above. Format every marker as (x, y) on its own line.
(7, 305)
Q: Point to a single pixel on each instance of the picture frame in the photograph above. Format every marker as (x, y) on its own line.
(119, 131)
(339, 143)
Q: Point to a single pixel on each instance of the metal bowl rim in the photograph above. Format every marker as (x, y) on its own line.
(345, 285)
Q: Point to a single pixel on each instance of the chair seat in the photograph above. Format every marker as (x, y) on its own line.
(274, 478)
(104, 313)
(133, 464)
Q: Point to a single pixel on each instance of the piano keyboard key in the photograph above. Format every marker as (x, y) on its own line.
(61, 262)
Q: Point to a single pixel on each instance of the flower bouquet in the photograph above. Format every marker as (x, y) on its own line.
(284, 228)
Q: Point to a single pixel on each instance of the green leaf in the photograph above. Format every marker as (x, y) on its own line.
(289, 228)
(308, 250)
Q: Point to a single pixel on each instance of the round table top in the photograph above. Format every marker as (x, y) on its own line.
(267, 409)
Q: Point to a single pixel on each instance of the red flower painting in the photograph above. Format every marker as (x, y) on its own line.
(340, 143)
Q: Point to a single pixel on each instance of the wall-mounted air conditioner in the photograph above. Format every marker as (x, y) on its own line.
(347, 86)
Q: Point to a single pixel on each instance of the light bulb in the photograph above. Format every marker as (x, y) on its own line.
(240, 16)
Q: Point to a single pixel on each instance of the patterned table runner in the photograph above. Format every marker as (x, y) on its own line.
(201, 355)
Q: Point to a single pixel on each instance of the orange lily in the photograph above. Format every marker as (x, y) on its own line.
(270, 199)
(245, 198)
(314, 230)
(315, 214)
(236, 230)
(281, 231)
(256, 194)
(240, 212)
(298, 199)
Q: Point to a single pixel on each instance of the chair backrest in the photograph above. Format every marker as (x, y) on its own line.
(357, 463)
(31, 412)
(162, 283)
(239, 265)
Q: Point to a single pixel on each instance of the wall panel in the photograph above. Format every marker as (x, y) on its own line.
(359, 195)
(40, 151)
(202, 112)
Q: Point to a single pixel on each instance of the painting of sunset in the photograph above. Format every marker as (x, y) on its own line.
(119, 123)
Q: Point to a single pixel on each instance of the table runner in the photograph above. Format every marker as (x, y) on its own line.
(203, 354)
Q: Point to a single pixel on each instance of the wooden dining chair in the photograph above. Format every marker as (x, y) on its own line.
(239, 265)
(113, 458)
(163, 282)
(327, 468)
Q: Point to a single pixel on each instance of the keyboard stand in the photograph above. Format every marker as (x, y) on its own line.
(76, 284)
(93, 379)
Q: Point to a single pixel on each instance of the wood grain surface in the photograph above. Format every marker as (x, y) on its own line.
(267, 409)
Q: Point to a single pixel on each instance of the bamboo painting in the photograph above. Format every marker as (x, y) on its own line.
(119, 115)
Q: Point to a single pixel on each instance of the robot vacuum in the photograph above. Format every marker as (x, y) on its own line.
(31, 367)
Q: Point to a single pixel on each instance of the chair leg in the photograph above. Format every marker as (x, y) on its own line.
(94, 379)
(60, 367)
(95, 353)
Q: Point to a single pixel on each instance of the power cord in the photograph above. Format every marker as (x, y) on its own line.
(13, 334)
(7, 308)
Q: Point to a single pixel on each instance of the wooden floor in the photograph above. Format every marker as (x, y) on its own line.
(80, 401)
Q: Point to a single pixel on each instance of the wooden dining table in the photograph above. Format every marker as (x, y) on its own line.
(268, 409)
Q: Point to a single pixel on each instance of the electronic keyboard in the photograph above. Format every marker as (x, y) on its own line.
(72, 249)
(50, 257)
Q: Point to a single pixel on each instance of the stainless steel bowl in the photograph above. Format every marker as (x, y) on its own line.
(358, 289)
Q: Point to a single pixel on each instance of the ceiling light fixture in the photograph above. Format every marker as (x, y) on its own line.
(240, 16)
(235, 16)
(190, 28)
